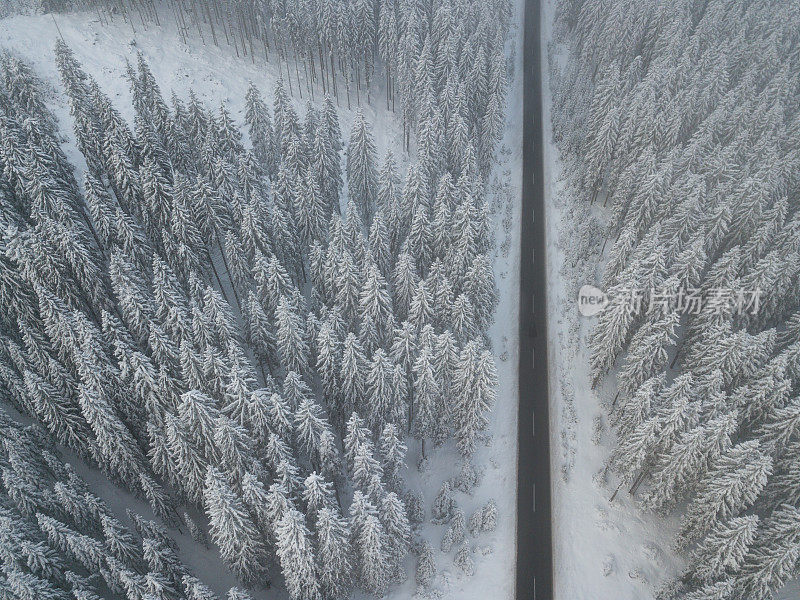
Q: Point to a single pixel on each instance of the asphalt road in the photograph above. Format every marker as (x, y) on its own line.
(534, 573)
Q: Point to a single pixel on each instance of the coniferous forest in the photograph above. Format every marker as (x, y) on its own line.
(261, 310)
(245, 327)
(682, 121)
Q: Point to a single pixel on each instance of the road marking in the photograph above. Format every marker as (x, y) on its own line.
(533, 424)
(534, 497)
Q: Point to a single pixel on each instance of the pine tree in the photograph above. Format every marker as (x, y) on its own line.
(120, 541)
(376, 305)
(234, 446)
(724, 548)
(420, 311)
(348, 287)
(419, 242)
(426, 566)
(475, 388)
(687, 461)
(197, 590)
(260, 129)
(296, 555)
(379, 244)
(393, 452)
(732, 485)
(385, 405)
(456, 532)
(238, 594)
(232, 529)
(405, 281)
(291, 342)
(198, 413)
(351, 376)
(369, 541)
(27, 586)
(362, 179)
(398, 530)
(59, 414)
(328, 350)
(479, 284)
(116, 445)
(772, 560)
(295, 390)
(186, 461)
(317, 494)
(327, 167)
(648, 351)
(334, 553)
(84, 549)
(309, 424)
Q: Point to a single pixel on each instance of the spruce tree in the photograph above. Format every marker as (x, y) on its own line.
(362, 178)
(232, 529)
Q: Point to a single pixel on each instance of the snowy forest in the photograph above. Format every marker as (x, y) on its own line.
(247, 327)
(679, 124)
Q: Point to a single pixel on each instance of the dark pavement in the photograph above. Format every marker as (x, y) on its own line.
(534, 574)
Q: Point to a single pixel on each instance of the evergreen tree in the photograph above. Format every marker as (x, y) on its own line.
(260, 129)
(369, 542)
(733, 484)
(475, 388)
(334, 553)
(291, 342)
(426, 566)
(362, 178)
(724, 549)
(351, 375)
(232, 529)
(296, 555)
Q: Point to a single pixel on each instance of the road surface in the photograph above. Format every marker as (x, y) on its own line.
(534, 573)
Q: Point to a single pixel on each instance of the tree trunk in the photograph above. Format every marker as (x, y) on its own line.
(616, 491)
(230, 275)
(211, 23)
(322, 69)
(288, 72)
(297, 73)
(333, 79)
(637, 483)
(677, 353)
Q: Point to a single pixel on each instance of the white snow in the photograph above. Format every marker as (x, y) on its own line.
(217, 75)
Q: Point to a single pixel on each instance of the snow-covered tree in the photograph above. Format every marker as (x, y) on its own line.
(232, 529)
(362, 176)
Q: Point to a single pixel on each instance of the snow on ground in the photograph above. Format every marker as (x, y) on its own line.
(602, 550)
(217, 75)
